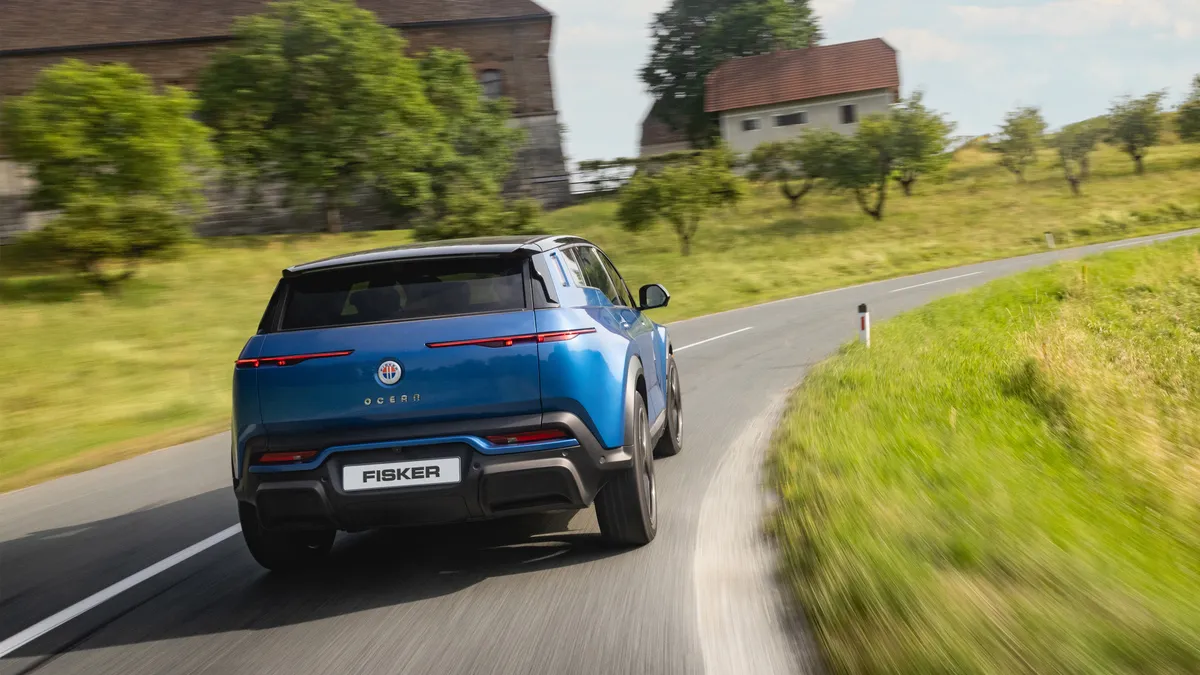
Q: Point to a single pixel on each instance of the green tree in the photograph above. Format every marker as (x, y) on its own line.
(805, 160)
(779, 162)
(1075, 145)
(692, 37)
(1188, 119)
(681, 194)
(1135, 125)
(1019, 140)
(318, 96)
(476, 140)
(120, 161)
(922, 141)
(863, 164)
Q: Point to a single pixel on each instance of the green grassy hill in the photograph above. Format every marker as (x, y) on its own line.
(152, 366)
(1008, 481)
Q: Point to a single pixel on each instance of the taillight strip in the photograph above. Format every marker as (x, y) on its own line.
(510, 340)
(289, 360)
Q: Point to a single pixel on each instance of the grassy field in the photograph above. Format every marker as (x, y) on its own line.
(1008, 481)
(90, 378)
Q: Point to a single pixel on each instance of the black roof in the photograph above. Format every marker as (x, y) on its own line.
(435, 249)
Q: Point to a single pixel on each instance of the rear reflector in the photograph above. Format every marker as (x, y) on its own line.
(510, 340)
(288, 360)
(284, 457)
(528, 437)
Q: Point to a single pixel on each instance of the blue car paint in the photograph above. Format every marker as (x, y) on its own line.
(584, 376)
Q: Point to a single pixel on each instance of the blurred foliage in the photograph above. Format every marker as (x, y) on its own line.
(922, 141)
(863, 164)
(692, 37)
(1006, 480)
(1136, 124)
(1075, 145)
(681, 194)
(1187, 120)
(318, 96)
(474, 154)
(118, 161)
(1019, 139)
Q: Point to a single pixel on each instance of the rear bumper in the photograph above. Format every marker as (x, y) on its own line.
(492, 485)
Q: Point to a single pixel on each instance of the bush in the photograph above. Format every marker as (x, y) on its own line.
(118, 160)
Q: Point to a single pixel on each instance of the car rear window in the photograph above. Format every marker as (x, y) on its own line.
(408, 289)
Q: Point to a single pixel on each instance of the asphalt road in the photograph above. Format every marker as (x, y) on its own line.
(540, 596)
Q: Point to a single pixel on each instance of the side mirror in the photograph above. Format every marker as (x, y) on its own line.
(653, 296)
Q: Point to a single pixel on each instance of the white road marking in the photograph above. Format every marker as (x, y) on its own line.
(742, 616)
(930, 283)
(46, 625)
(711, 339)
(1126, 243)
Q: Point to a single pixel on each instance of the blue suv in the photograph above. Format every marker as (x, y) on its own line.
(447, 382)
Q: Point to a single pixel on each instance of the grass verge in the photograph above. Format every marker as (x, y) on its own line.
(89, 375)
(1007, 481)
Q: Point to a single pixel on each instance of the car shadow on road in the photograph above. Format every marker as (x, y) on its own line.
(222, 590)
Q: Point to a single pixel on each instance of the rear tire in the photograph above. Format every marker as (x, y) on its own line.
(627, 506)
(283, 551)
(671, 441)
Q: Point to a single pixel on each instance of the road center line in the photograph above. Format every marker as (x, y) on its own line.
(938, 281)
(711, 339)
(46, 625)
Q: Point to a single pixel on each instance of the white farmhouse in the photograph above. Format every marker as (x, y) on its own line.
(775, 97)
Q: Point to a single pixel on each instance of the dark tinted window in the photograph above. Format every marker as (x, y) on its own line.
(416, 289)
(750, 125)
(849, 114)
(594, 273)
(791, 119)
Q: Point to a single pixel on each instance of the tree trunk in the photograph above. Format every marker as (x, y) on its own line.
(685, 244)
(795, 197)
(1074, 185)
(907, 184)
(333, 215)
(1141, 168)
(875, 212)
(1085, 168)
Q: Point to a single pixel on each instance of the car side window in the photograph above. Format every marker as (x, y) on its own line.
(594, 273)
(571, 261)
(622, 287)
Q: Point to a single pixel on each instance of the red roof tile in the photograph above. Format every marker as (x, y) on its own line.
(800, 74)
(50, 24)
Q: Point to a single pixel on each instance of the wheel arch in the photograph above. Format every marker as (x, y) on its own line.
(635, 383)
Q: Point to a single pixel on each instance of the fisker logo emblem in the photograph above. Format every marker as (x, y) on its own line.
(390, 372)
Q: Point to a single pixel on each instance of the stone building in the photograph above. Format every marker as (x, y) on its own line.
(659, 137)
(172, 41)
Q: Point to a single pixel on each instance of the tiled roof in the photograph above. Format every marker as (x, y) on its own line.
(655, 131)
(799, 74)
(50, 24)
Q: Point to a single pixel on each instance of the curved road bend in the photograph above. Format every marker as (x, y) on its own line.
(511, 597)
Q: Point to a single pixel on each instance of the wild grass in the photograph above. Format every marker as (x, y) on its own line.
(1008, 481)
(91, 377)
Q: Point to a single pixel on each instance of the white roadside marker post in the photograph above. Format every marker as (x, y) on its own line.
(1050, 239)
(864, 323)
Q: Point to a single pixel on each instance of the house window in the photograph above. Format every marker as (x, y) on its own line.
(849, 114)
(493, 83)
(791, 119)
(751, 125)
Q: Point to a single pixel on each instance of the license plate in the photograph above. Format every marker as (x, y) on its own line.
(401, 474)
